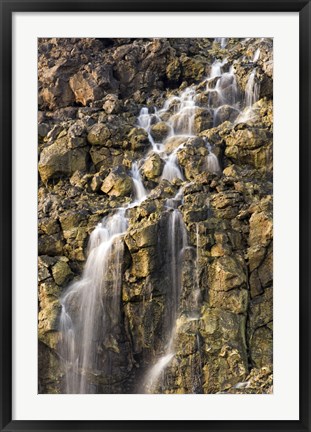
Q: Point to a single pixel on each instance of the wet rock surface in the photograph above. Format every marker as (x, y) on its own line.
(91, 130)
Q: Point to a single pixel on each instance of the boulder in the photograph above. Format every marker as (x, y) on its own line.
(222, 200)
(159, 131)
(260, 229)
(55, 91)
(226, 273)
(97, 181)
(48, 320)
(259, 158)
(138, 138)
(192, 68)
(203, 119)
(77, 129)
(85, 88)
(43, 269)
(173, 70)
(71, 223)
(153, 166)
(111, 104)
(249, 138)
(172, 143)
(61, 271)
(225, 113)
(118, 183)
(43, 129)
(99, 134)
(50, 245)
(142, 237)
(59, 160)
(101, 157)
(49, 226)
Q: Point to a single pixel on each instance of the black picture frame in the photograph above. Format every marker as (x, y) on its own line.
(7, 10)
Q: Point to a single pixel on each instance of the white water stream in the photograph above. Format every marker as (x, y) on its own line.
(177, 242)
(91, 306)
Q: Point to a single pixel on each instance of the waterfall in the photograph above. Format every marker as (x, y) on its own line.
(139, 188)
(222, 42)
(145, 121)
(213, 164)
(68, 352)
(90, 321)
(196, 293)
(171, 169)
(251, 90)
(91, 306)
(227, 87)
(222, 88)
(251, 95)
(212, 160)
(177, 242)
(256, 55)
(156, 372)
(182, 121)
(216, 69)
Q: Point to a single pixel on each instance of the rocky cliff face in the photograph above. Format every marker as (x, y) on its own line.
(93, 95)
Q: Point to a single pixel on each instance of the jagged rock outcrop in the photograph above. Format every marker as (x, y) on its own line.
(91, 92)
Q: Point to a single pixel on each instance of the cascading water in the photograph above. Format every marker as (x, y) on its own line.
(181, 111)
(139, 188)
(171, 169)
(177, 242)
(182, 121)
(256, 55)
(68, 352)
(197, 258)
(91, 307)
(251, 96)
(227, 88)
(145, 121)
(216, 69)
(251, 90)
(222, 41)
(212, 160)
(223, 91)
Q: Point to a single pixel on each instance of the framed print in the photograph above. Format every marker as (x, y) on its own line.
(155, 215)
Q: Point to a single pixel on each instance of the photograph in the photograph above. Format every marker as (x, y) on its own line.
(155, 215)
